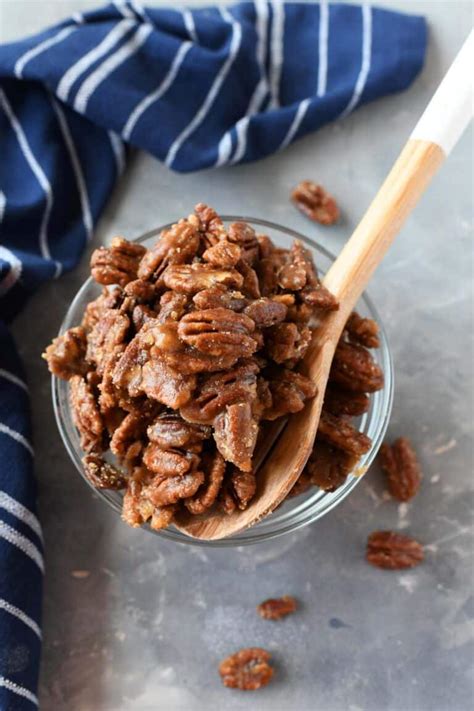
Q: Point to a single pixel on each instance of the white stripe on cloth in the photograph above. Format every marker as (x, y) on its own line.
(8, 503)
(213, 91)
(296, 123)
(118, 151)
(99, 75)
(41, 47)
(83, 64)
(17, 689)
(76, 166)
(188, 20)
(139, 10)
(224, 149)
(123, 9)
(157, 93)
(14, 272)
(276, 51)
(16, 612)
(366, 60)
(6, 373)
(22, 543)
(39, 174)
(323, 47)
(78, 18)
(3, 202)
(17, 437)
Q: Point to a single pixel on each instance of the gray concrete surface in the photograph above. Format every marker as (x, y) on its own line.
(143, 624)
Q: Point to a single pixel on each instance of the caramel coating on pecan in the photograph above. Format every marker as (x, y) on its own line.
(219, 332)
(213, 466)
(243, 234)
(265, 312)
(66, 354)
(315, 202)
(163, 491)
(339, 401)
(219, 297)
(328, 466)
(289, 391)
(169, 431)
(107, 338)
(277, 608)
(223, 254)
(118, 263)
(127, 441)
(178, 245)
(400, 464)
(287, 341)
(191, 278)
(340, 433)
(210, 224)
(137, 507)
(86, 415)
(101, 474)
(235, 434)
(247, 669)
(244, 486)
(393, 551)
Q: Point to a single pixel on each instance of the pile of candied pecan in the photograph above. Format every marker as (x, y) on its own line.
(190, 347)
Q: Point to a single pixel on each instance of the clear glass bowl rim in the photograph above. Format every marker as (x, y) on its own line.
(312, 508)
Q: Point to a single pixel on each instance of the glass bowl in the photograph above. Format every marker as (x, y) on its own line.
(298, 511)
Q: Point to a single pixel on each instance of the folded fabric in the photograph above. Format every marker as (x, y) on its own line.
(196, 89)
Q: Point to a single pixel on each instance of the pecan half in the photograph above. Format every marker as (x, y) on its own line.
(172, 306)
(101, 474)
(219, 332)
(328, 466)
(339, 401)
(66, 354)
(219, 297)
(266, 312)
(137, 507)
(364, 331)
(86, 415)
(243, 485)
(289, 392)
(177, 245)
(354, 368)
(235, 434)
(223, 254)
(118, 263)
(315, 202)
(168, 462)
(276, 608)
(169, 490)
(191, 278)
(107, 338)
(213, 465)
(393, 551)
(127, 441)
(170, 431)
(340, 433)
(287, 341)
(247, 669)
(210, 224)
(243, 234)
(401, 466)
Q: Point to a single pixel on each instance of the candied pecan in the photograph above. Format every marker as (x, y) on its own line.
(219, 296)
(286, 341)
(172, 306)
(266, 270)
(319, 298)
(250, 287)
(339, 401)
(243, 234)
(219, 332)
(137, 508)
(177, 245)
(340, 433)
(354, 368)
(364, 331)
(142, 314)
(235, 433)
(109, 299)
(107, 338)
(118, 263)
(266, 312)
(210, 223)
(244, 486)
(276, 608)
(292, 275)
(328, 466)
(101, 474)
(218, 390)
(302, 484)
(247, 669)
(168, 462)
(225, 499)
(401, 466)
(191, 278)
(127, 442)
(140, 290)
(86, 415)
(265, 246)
(315, 202)
(223, 254)
(393, 551)
(213, 465)
(169, 490)
(66, 354)
(289, 392)
(264, 400)
(169, 431)
(163, 383)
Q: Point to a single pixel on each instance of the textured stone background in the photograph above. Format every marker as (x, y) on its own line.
(143, 627)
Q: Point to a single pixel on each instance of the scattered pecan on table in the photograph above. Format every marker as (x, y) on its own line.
(276, 608)
(401, 466)
(247, 669)
(315, 202)
(189, 348)
(393, 551)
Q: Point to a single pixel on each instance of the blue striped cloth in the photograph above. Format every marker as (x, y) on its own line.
(196, 89)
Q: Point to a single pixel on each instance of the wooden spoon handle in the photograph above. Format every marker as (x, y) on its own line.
(438, 130)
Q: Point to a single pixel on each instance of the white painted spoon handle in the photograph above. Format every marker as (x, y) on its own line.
(441, 125)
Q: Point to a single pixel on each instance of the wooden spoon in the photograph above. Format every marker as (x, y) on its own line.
(439, 128)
